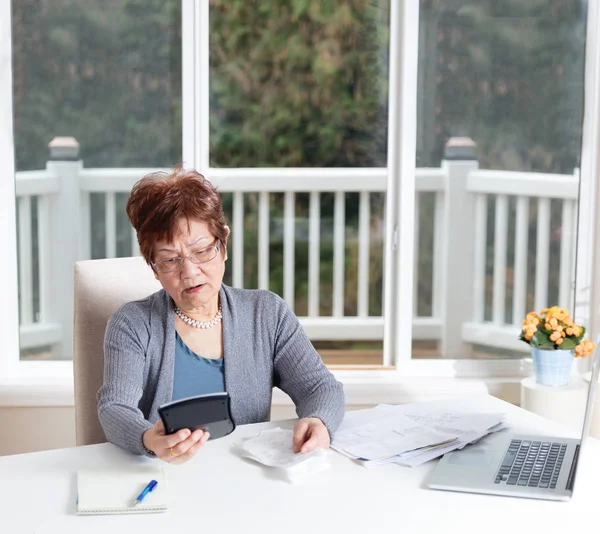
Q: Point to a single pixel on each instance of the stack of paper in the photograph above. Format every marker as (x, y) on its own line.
(410, 434)
(273, 448)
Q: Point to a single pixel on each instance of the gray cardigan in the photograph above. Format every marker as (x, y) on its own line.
(263, 345)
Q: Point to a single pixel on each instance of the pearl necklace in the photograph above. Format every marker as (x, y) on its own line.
(199, 324)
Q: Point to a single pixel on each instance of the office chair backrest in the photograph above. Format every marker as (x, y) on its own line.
(101, 286)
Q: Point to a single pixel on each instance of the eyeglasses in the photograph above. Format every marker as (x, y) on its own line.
(176, 264)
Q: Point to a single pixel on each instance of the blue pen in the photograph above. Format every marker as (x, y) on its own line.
(150, 487)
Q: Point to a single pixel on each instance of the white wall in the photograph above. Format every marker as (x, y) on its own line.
(36, 428)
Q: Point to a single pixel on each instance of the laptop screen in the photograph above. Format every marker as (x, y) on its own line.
(591, 393)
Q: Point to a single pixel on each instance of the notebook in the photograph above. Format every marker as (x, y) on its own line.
(113, 491)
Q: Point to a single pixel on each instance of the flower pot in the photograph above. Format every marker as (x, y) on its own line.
(552, 367)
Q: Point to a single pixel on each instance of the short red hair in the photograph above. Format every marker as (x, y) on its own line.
(160, 200)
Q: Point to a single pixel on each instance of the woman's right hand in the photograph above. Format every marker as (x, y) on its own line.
(175, 448)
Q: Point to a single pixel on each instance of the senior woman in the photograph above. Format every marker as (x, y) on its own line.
(197, 335)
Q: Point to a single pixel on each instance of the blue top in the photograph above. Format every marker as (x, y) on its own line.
(195, 375)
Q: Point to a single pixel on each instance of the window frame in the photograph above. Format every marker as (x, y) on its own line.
(9, 315)
(404, 30)
(404, 37)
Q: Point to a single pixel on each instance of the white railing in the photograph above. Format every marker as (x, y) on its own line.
(523, 188)
(61, 196)
(36, 329)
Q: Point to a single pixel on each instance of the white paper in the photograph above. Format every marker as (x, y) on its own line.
(113, 491)
(273, 448)
(378, 434)
(469, 427)
(412, 434)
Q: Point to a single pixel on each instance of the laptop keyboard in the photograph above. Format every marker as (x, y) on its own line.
(535, 464)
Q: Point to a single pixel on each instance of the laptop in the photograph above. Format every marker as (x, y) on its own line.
(537, 467)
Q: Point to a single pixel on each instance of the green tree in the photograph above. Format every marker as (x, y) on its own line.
(508, 74)
(107, 73)
(298, 84)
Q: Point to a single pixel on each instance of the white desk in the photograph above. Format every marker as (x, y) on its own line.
(220, 492)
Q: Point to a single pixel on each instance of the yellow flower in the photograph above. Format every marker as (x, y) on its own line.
(559, 324)
(585, 348)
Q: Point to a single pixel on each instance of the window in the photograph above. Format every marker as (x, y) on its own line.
(110, 80)
(500, 116)
(9, 320)
(311, 117)
(297, 142)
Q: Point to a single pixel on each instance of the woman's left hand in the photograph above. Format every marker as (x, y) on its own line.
(309, 433)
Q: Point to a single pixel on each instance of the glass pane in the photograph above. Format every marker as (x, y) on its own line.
(500, 88)
(107, 75)
(296, 84)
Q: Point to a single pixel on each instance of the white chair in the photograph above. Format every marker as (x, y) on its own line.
(101, 286)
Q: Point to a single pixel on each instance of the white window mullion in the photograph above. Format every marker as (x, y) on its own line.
(416, 254)
(9, 318)
(195, 83)
(587, 257)
(189, 117)
(587, 285)
(202, 84)
(402, 125)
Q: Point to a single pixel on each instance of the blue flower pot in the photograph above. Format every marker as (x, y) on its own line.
(552, 367)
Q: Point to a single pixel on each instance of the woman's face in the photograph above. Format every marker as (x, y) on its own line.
(196, 285)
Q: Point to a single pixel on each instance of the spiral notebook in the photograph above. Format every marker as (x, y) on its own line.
(113, 491)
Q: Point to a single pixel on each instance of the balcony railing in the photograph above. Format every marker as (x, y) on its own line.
(55, 230)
